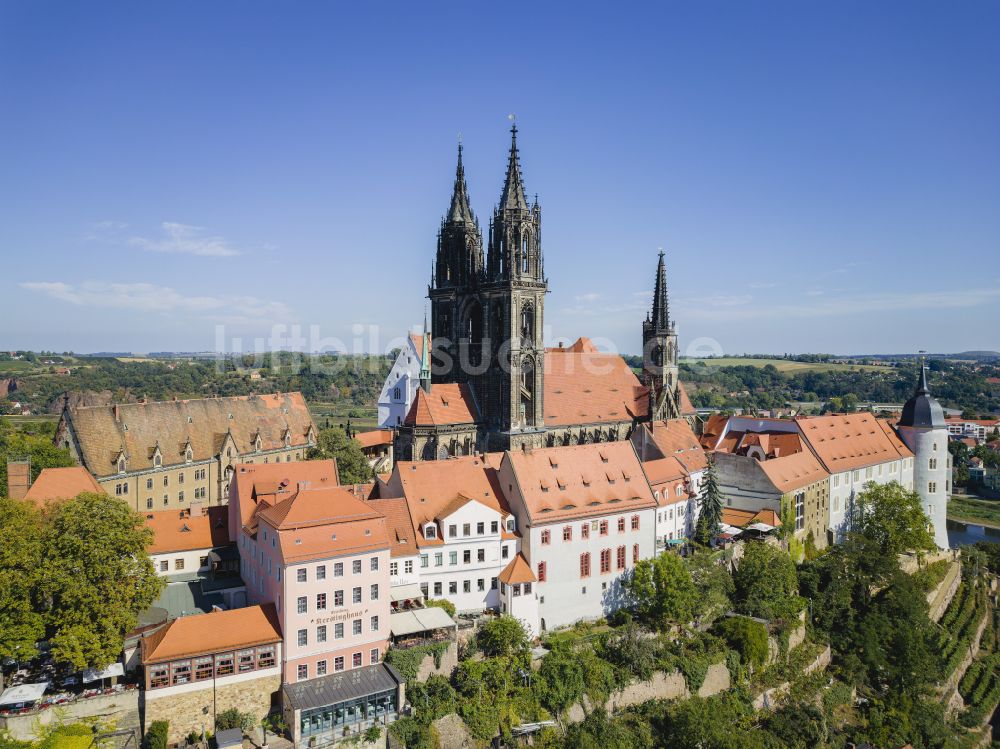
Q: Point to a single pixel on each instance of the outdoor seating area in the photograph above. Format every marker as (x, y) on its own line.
(40, 685)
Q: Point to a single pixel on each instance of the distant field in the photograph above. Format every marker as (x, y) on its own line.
(784, 365)
(18, 366)
(970, 510)
(338, 414)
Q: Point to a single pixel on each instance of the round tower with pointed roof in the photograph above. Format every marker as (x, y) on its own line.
(923, 429)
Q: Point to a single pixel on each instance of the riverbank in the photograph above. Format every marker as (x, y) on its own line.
(977, 511)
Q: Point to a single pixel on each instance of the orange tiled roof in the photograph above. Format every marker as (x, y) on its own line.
(844, 442)
(517, 571)
(447, 403)
(431, 487)
(663, 470)
(418, 343)
(712, 430)
(266, 483)
(584, 386)
(791, 472)
(178, 530)
(62, 483)
(402, 536)
(978, 422)
(217, 632)
(172, 425)
(674, 438)
(374, 438)
(558, 483)
(325, 522)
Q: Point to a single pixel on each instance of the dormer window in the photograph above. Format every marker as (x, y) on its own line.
(430, 531)
(257, 443)
(188, 453)
(510, 524)
(122, 465)
(157, 461)
(311, 437)
(288, 438)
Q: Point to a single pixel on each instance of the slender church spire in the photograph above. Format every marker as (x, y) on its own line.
(460, 212)
(661, 312)
(425, 359)
(513, 188)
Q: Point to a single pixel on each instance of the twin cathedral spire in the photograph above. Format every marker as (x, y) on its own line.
(487, 313)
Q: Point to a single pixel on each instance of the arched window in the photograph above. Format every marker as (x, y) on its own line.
(524, 253)
(396, 394)
(528, 392)
(528, 322)
(121, 465)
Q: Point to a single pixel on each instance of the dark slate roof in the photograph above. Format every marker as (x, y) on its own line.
(922, 410)
(347, 685)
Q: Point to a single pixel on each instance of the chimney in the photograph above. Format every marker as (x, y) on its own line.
(18, 478)
(118, 414)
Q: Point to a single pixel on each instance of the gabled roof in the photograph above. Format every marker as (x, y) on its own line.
(561, 483)
(402, 536)
(447, 403)
(585, 386)
(62, 483)
(178, 530)
(102, 432)
(517, 571)
(323, 523)
(263, 484)
(375, 438)
(794, 471)
(217, 632)
(431, 488)
(675, 438)
(845, 442)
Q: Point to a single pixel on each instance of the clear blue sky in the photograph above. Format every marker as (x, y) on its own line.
(822, 176)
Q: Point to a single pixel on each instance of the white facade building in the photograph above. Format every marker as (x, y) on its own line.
(587, 515)
(465, 534)
(401, 385)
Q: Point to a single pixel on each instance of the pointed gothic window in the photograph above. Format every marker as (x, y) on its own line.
(527, 392)
(524, 253)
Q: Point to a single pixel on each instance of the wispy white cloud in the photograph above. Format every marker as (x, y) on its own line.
(592, 296)
(840, 305)
(147, 297)
(186, 240)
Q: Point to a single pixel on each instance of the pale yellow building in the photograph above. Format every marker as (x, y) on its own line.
(170, 454)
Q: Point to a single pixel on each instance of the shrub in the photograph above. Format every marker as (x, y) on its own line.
(442, 604)
(233, 718)
(747, 637)
(156, 736)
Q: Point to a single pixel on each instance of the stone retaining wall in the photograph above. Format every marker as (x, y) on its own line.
(449, 660)
(661, 686)
(121, 709)
(770, 698)
(191, 711)
(939, 598)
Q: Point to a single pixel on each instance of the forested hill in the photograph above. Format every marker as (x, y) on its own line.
(352, 380)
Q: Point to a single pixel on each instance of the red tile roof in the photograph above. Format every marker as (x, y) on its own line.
(217, 632)
(792, 472)
(674, 438)
(517, 571)
(584, 386)
(318, 523)
(845, 442)
(431, 488)
(447, 403)
(743, 518)
(402, 536)
(559, 483)
(267, 483)
(178, 530)
(62, 483)
(376, 438)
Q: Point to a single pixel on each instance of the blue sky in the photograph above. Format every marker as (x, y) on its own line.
(822, 176)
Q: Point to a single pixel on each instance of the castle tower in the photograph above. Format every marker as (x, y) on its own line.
(510, 391)
(659, 353)
(923, 429)
(457, 272)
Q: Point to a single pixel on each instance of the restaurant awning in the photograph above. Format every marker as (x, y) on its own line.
(23, 693)
(760, 527)
(405, 592)
(92, 674)
(419, 620)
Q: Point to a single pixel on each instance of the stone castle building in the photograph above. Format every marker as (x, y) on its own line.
(488, 383)
(171, 454)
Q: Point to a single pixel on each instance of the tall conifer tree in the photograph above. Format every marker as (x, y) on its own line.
(709, 508)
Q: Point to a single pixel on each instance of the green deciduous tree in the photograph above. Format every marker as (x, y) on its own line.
(352, 465)
(662, 591)
(504, 636)
(747, 637)
(15, 445)
(766, 583)
(892, 519)
(98, 578)
(709, 523)
(21, 553)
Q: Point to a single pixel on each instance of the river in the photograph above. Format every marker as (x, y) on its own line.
(968, 533)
